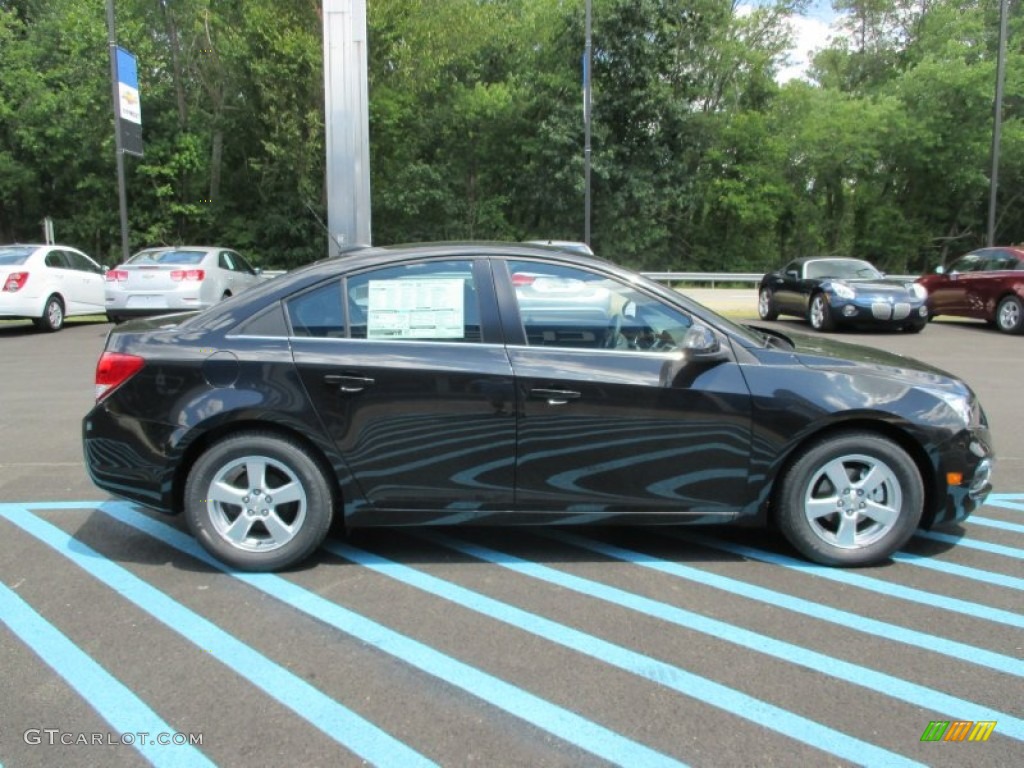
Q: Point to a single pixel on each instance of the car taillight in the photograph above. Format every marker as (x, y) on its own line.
(117, 275)
(188, 274)
(15, 281)
(113, 370)
(520, 279)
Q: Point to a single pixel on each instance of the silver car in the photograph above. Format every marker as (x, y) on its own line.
(157, 281)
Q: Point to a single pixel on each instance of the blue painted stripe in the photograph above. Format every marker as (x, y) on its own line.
(548, 717)
(963, 541)
(335, 720)
(962, 571)
(923, 640)
(691, 685)
(1013, 501)
(1002, 525)
(854, 674)
(116, 704)
(868, 583)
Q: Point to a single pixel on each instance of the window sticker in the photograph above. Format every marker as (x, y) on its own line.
(416, 308)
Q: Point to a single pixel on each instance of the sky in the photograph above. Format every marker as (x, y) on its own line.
(811, 32)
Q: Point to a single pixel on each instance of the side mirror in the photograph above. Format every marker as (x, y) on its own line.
(940, 270)
(793, 275)
(701, 343)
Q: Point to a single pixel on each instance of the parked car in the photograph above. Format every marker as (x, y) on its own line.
(158, 281)
(573, 246)
(987, 284)
(834, 291)
(431, 385)
(48, 283)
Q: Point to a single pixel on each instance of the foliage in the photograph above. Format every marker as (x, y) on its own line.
(701, 160)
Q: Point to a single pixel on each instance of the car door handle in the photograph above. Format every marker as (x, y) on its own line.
(348, 384)
(555, 396)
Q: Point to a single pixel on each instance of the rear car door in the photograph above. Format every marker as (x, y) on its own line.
(405, 368)
(613, 415)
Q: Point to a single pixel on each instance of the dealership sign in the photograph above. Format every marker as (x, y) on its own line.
(129, 108)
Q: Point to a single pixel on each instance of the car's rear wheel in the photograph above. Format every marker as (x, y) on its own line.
(258, 502)
(819, 313)
(852, 498)
(766, 308)
(1010, 315)
(52, 318)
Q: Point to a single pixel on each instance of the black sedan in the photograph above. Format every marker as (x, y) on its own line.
(508, 383)
(834, 291)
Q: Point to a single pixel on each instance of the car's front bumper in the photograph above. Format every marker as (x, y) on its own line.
(877, 311)
(964, 479)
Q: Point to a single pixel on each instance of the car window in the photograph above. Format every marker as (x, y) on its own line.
(81, 263)
(435, 301)
(1001, 260)
(318, 313)
(56, 260)
(167, 257)
(972, 262)
(224, 261)
(242, 265)
(10, 257)
(563, 306)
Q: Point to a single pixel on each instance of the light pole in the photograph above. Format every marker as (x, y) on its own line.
(586, 129)
(997, 128)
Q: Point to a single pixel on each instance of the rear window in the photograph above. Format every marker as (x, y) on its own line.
(167, 257)
(11, 256)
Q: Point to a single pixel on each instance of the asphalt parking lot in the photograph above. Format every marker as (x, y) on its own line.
(124, 644)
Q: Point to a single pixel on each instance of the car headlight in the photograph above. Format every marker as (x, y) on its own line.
(919, 291)
(843, 291)
(963, 405)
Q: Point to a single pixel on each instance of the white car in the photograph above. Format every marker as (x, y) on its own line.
(185, 278)
(47, 283)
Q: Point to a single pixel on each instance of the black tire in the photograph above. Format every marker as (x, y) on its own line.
(819, 314)
(279, 511)
(766, 308)
(52, 318)
(856, 524)
(1010, 315)
(114, 319)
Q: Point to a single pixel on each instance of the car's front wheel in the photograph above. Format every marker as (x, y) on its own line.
(766, 308)
(819, 313)
(1010, 315)
(52, 318)
(852, 498)
(258, 502)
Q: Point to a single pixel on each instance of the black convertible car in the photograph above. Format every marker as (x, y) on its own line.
(509, 383)
(832, 292)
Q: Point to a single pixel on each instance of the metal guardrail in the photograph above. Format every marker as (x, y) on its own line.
(727, 277)
(677, 277)
(705, 277)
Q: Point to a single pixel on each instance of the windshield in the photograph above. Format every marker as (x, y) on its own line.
(845, 269)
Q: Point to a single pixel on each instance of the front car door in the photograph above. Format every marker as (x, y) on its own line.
(788, 294)
(613, 415)
(405, 368)
(85, 284)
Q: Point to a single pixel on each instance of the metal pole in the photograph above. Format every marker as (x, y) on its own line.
(122, 194)
(586, 128)
(997, 128)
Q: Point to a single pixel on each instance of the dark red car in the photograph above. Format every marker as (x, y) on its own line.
(987, 284)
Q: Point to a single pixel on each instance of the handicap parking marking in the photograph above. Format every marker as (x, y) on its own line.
(1014, 501)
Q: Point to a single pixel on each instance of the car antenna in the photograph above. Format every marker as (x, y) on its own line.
(337, 240)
